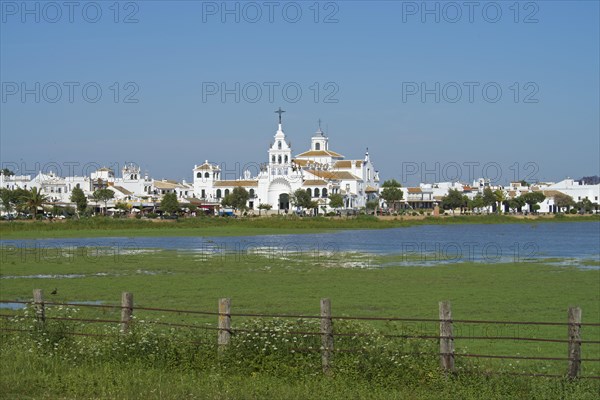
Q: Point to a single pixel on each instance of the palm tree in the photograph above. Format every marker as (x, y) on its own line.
(34, 199)
(500, 199)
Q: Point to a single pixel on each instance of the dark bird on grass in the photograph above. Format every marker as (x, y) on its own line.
(55, 291)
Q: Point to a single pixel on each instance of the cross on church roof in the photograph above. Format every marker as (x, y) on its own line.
(280, 111)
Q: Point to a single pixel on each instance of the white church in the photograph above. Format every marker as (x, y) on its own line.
(319, 170)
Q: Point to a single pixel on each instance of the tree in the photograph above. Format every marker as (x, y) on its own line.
(314, 205)
(585, 205)
(301, 198)
(169, 203)
(532, 198)
(34, 199)
(391, 193)
(500, 198)
(454, 199)
(489, 198)
(125, 207)
(7, 172)
(6, 199)
(562, 200)
(336, 200)
(239, 198)
(476, 202)
(103, 195)
(371, 205)
(80, 200)
(264, 206)
(516, 203)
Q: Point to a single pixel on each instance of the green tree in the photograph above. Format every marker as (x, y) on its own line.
(391, 193)
(80, 200)
(6, 198)
(500, 199)
(562, 200)
(489, 198)
(516, 203)
(476, 202)
(585, 205)
(103, 195)
(371, 205)
(7, 172)
(169, 203)
(301, 198)
(532, 198)
(453, 200)
(34, 199)
(239, 198)
(123, 207)
(336, 201)
(264, 206)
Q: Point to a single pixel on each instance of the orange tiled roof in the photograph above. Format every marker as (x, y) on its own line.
(340, 175)
(314, 182)
(241, 183)
(320, 153)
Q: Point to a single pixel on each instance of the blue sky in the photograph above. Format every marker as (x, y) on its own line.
(370, 61)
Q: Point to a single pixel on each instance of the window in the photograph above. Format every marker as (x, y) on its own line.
(309, 192)
(317, 146)
(279, 145)
(203, 193)
(273, 159)
(279, 160)
(226, 192)
(207, 175)
(251, 192)
(218, 193)
(199, 175)
(324, 193)
(286, 159)
(316, 192)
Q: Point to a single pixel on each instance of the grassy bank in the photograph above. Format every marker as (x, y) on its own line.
(55, 379)
(100, 226)
(157, 362)
(294, 283)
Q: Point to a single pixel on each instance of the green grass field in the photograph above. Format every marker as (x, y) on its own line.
(284, 283)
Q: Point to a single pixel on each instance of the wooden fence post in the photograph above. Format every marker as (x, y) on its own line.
(326, 335)
(574, 341)
(126, 311)
(38, 303)
(446, 338)
(224, 323)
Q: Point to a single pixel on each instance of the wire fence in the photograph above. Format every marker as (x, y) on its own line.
(444, 336)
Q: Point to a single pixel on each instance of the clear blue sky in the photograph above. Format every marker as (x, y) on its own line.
(375, 55)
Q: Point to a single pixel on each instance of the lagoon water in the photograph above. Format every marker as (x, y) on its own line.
(570, 241)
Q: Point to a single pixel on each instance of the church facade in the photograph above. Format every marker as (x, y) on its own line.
(319, 170)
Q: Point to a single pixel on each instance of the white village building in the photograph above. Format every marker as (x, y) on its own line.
(319, 170)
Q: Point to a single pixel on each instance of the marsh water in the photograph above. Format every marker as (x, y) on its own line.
(566, 242)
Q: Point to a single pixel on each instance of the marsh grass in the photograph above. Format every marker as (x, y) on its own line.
(154, 363)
